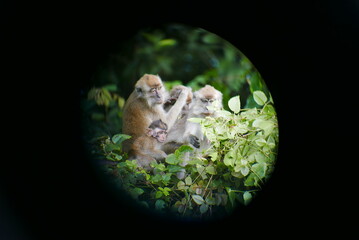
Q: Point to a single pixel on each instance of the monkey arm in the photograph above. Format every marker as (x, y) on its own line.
(173, 113)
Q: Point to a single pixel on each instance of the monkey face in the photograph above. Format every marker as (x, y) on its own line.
(158, 133)
(206, 103)
(161, 135)
(150, 88)
(156, 95)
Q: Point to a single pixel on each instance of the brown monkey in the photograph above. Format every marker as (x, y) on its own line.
(146, 148)
(145, 104)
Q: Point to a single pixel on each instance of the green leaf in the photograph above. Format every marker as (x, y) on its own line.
(188, 180)
(160, 204)
(261, 142)
(112, 147)
(167, 42)
(251, 180)
(247, 197)
(266, 125)
(214, 156)
(160, 167)
(119, 138)
(231, 195)
(259, 97)
(210, 200)
(260, 169)
(156, 178)
(159, 194)
(165, 190)
(211, 170)
(203, 208)
(260, 157)
(110, 87)
(201, 171)
(271, 142)
(135, 192)
(174, 168)
(234, 104)
(183, 149)
(198, 199)
(229, 159)
(244, 170)
(166, 178)
(181, 185)
(172, 159)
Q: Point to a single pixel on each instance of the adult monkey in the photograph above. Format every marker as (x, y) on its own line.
(185, 132)
(145, 105)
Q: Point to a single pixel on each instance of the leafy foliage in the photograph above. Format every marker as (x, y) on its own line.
(240, 159)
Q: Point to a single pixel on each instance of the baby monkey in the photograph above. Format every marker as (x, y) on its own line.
(146, 148)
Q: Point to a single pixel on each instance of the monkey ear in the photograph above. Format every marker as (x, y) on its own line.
(149, 132)
(138, 90)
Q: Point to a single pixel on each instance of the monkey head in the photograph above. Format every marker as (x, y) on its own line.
(205, 101)
(150, 88)
(157, 130)
(175, 92)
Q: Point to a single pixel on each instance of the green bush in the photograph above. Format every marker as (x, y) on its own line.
(241, 158)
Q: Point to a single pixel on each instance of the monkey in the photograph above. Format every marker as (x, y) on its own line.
(146, 148)
(204, 104)
(185, 132)
(145, 104)
(178, 127)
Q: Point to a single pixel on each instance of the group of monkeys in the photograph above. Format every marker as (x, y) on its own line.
(157, 122)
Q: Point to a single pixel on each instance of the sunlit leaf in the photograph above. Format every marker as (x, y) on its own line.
(110, 87)
(259, 169)
(211, 170)
(158, 194)
(172, 159)
(234, 104)
(181, 185)
(167, 42)
(261, 142)
(188, 180)
(198, 199)
(259, 97)
(229, 159)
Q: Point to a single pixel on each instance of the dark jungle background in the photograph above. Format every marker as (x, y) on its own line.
(180, 55)
(304, 51)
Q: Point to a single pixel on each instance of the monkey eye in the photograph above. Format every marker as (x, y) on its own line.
(204, 100)
(211, 100)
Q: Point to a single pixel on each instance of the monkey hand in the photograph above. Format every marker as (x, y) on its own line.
(184, 92)
(194, 141)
